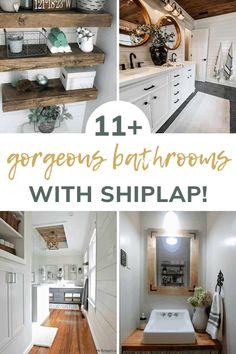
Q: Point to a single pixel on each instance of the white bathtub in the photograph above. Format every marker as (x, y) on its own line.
(169, 327)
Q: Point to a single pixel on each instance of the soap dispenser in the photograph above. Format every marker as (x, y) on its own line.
(143, 321)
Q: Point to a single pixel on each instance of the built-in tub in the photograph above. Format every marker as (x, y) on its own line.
(169, 327)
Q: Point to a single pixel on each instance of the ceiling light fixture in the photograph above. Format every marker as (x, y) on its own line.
(172, 241)
(171, 223)
(172, 7)
(52, 242)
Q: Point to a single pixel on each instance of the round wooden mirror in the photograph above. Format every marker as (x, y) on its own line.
(132, 14)
(169, 25)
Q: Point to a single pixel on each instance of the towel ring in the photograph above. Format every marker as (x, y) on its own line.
(220, 281)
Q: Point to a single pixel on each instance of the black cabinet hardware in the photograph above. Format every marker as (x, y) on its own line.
(177, 84)
(176, 101)
(176, 93)
(145, 103)
(149, 88)
(176, 75)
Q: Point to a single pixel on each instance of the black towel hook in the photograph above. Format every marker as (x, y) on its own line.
(220, 281)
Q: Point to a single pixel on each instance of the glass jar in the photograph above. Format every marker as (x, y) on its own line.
(26, 4)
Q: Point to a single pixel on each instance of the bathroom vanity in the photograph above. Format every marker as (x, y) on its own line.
(158, 91)
(65, 294)
(204, 344)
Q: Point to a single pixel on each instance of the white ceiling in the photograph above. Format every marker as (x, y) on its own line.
(76, 228)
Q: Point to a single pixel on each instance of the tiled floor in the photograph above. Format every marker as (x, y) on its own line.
(211, 89)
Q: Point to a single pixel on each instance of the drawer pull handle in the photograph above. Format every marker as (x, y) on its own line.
(176, 75)
(189, 69)
(176, 101)
(145, 103)
(149, 88)
(177, 84)
(176, 93)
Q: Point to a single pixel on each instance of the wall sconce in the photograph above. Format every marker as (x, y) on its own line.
(177, 12)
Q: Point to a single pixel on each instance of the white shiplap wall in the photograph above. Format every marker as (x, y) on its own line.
(102, 319)
(12, 122)
(156, 10)
(222, 30)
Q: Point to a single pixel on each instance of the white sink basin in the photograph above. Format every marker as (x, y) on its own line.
(169, 327)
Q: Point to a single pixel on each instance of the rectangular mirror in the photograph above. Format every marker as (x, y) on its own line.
(172, 262)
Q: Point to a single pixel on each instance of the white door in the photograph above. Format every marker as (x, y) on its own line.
(200, 39)
(144, 104)
(17, 303)
(5, 334)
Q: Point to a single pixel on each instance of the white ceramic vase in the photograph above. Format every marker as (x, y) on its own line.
(200, 319)
(86, 44)
(10, 5)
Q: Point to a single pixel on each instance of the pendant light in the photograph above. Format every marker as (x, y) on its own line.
(168, 7)
(175, 12)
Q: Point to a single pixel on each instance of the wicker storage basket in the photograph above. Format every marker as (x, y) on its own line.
(90, 5)
(10, 218)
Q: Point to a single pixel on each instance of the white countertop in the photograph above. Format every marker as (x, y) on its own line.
(131, 76)
(59, 286)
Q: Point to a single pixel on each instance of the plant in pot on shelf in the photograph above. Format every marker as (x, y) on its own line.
(201, 301)
(85, 39)
(46, 119)
(159, 38)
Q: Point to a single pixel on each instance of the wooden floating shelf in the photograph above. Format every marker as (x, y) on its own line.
(30, 19)
(53, 94)
(76, 58)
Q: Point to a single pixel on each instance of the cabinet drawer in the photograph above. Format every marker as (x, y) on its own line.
(176, 75)
(133, 92)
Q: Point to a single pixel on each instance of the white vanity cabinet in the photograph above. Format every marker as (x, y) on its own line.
(12, 304)
(162, 94)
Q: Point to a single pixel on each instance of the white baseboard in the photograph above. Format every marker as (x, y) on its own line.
(28, 349)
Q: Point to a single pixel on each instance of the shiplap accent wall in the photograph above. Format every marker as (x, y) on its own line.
(222, 30)
(11, 122)
(156, 10)
(102, 318)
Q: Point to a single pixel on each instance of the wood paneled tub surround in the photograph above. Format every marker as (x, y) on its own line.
(204, 345)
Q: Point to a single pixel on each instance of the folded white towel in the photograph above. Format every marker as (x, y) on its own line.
(228, 69)
(219, 64)
(215, 321)
(54, 50)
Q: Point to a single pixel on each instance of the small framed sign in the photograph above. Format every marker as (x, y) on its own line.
(52, 5)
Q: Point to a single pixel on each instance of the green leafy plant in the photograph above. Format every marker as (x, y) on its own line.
(49, 114)
(201, 298)
(158, 36)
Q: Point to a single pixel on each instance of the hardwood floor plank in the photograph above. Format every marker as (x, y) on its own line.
(73, 334)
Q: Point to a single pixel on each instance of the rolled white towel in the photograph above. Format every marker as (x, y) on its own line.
(52, 49)
(67, 49)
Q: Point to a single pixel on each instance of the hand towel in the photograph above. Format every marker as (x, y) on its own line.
(228, 69)
(215, 321)
(219, 64)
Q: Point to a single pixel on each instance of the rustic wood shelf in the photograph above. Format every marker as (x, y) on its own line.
(76, 58)
(203, 341)
(54, 94)
(30, 19)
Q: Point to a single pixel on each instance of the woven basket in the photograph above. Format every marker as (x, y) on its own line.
(90, 5)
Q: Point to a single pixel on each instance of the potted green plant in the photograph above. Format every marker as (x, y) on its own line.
(159, 38)
(201, 300)
(46, 119)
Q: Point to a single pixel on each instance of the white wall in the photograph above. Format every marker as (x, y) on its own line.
(188, 221)
(222, 30)
(38, 256)
(102, 319)
(130, 240)
(106, 79)
(156, 10)
(221, 251)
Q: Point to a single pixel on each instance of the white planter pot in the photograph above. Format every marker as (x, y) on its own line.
(200, 319)
(10, 5)
(16, 46)
(86, 45)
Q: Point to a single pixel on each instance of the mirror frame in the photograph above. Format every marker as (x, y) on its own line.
(148, 21)
(177, 28)
(152, 267)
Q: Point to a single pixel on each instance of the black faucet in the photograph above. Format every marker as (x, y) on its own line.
(131, 56)
(172, 57)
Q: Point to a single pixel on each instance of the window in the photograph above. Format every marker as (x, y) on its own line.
(92, 269)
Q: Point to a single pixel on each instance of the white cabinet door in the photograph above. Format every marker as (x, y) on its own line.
(144, 104)
(5, 334)
(159, 102)
(17, 303)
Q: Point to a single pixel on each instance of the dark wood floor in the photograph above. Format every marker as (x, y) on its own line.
(218, 90)
(73, 336)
